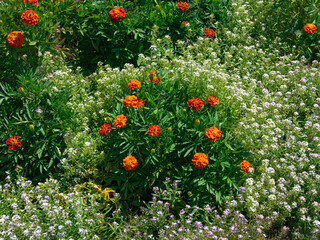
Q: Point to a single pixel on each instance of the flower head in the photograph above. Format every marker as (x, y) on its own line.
(245, 166)
(141, 103)
(130, 163)
(39, 111)
(134, 84)
(185, 24)
(31, 2)
(131, 101)
(213, 134)
(116, 14)
(310, 28)
(154, 130)
(154, 79)
(120, 121)
(182, 6)
(213, 100)
(13, 143)
(105, 129)
(15, 39)
(200, 160)
(195, 103)
(208, 32)
(29, 17)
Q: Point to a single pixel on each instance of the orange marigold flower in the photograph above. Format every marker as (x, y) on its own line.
(245, 166)
(154, 130)
(15, 39)
(182, 6)
(208, 32)
(184, 23)
(310, 28)
(134, 84)
(213, 134)
(213, 100)
(155, 80)
(200, 160)
(141, 103)
(152, 72)
(105, 129)
(117, 14)
(13, 143)
(120, 121)
(131, 101)
(31, 2)
(195, 103)
(29, 17)
(130, 163)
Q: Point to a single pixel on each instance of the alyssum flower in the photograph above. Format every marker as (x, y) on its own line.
(120, 121)
(15, 39)
(195, 103)
(13, 143)
(213, 134)
(29, 17)
(200, 160)
(130, 163)
(310, 28)
(116, 14)
(154, 130)
(105, 129)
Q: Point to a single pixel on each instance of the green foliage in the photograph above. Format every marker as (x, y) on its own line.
(41, 134)
(170, 153)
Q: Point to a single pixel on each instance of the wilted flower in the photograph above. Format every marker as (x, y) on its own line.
(105, 129)
(310, 28)
(117, 13)
(120, 121)
(13, 143)
(29, 17)
(15, 39)
(154, 130)
(130, 163)
(200, 160)
(182, 6)
(213, 134)
(195, 103)
(208, 32)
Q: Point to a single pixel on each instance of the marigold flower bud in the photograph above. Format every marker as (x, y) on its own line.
(184, 110)
(31, 127)
(153, 150)
(169, 130)
(197, 122)
(189, 193)
(21, 89)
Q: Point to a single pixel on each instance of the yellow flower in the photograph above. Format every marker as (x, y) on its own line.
(108, 194)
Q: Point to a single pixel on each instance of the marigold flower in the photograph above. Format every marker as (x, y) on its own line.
(117, 14)
(120, 121)
(152, 72)
(310, 28)
(154, 130)
(155, 80)
(15, 39)
(213, 134)
(141, 103)
(195, 103)
(213, 100)
(105, 129)
(182, 6)
(184, 24)
(200, 160)
(131, 101)
(29, 17)
(245, 166)
(13, 143)
(130, 163)
(134, 84)
(31, 2)
(208, 32)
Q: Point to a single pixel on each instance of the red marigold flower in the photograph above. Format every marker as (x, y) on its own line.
(200, 160)
(208, 32)
(131, 101)
(105, 129)
(184, 23)
(31, 2)
(213, 134)
(141, 103)
(130, 163)
(154, 130)
(29, 17)
(134, 84)
(213, 100)
(15, 39)
(117, 14)
(13, 143)
(310, 28)
(155, 80)
(195, 103)
(182, 6)
(120, 121)
(245, 166)
(152, 72)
